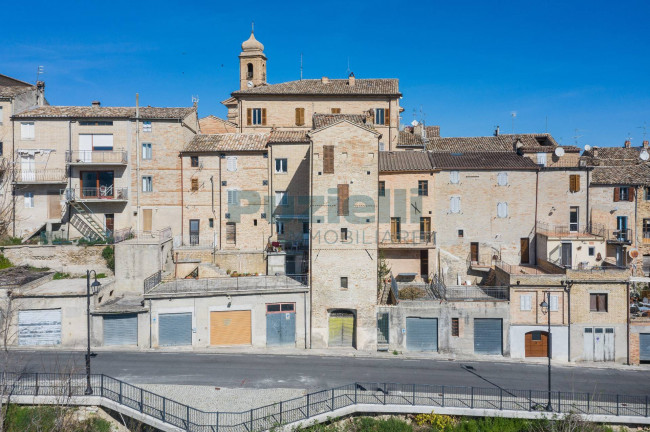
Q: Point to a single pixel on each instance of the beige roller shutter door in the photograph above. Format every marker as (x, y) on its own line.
(230, 328)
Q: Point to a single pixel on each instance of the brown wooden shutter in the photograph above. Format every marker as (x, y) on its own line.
(593, 302)
(630, 195)
(343, 199)
(298, 116)
(195, 185)
(572, 183)
(387, 117)
(328, 159)
(577, 186)
(263, 116)
(336, 110)
(249, 116)
(617, 194)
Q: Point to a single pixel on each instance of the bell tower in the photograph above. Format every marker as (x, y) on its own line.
(252, 64)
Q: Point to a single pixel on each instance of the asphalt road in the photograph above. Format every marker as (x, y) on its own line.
(318, 372)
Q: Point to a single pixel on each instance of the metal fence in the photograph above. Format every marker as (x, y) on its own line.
(152, 281)
(321, 402)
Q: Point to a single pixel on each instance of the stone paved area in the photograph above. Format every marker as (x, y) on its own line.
(207, 398)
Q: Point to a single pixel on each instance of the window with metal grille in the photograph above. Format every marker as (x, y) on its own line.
(423, 188)
(455, 331)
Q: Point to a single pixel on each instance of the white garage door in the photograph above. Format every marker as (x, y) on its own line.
(39, 327)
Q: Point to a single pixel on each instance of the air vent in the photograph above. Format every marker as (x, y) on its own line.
(224, 183)
(263, 215)
(265, 182)
(227, 215)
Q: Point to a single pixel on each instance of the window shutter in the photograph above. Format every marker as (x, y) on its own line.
(328, 159)
(554, 303)
(387, 117)
(263, 116)
(195, 185)
(577, 186)
(343, 199)
(592, 302)
(572, 183)
(249, 116)
(617, 194)
(631, 193)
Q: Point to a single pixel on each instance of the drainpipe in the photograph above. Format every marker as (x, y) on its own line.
(13, 173)
(588, 215)
(220, 207)
(535, 227)
(150, 322)
(567, 289)
(311, 246)
(628, 322)
(67, 202)
(137, 162)
(214, 218)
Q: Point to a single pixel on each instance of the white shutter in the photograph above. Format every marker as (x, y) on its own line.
(541, 159)
(502, 210)
(382, 146)
(27, 130)
(103, 142)
(554, 303)
(233, 196)
(525, 301)
(85, 147)
(29, 199)
(231, 163)
(455, 204)
(454, 177)
(502, 179)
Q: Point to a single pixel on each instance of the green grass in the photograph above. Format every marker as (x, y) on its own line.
(4, 262)
(59, 275)
(48, 418)
(10, 241)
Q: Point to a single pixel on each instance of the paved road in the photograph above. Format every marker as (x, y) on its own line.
(317, 372)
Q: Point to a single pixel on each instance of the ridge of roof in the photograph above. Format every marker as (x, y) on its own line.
(362, 86)
(147, 112)
(232, 141)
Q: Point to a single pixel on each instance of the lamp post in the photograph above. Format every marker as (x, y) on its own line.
(546, 310)
(95, 285)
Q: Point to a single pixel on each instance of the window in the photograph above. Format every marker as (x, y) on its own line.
(231, 233)
(280, 308)
(454, 177)
(97, 184)
(461, 233)
(281, 198)
(328, 159)
(454, 327)
(146, 151)
(194, 161)
(281, 165)
(574, 183)
(502, 210)
(254, 222)
(256, 116)
(623, 193)
(598, 302)
(525, 302)
(343, 207)
(502, 179)
(573, 219)
(300, 116)
(233, 196)
(195, 185)
(382, 116)
(336, 110)
(382, 146)
(1, 115)
(29, 199)
(95, 123)
(211, 222)
(646, 193)
(249, 71)
(344, 234)
(2, 149)
(27, 130)
(146, 126)
(541, 159)
(454, 204)
(395, 229)
(423, 188)
(553, 306)
(382, 188)
(231, 163)
(279, 227)
(147, 184)
(592, 251)
(536, 335)
(344, 282)
(94, 142)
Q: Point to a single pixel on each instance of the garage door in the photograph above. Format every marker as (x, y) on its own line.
(175, 329)
(644, 346)
(121, 329)
(422, 334)
(488, 336)
(230, 328)
(280, 324)
(341, 330)
(39, 327)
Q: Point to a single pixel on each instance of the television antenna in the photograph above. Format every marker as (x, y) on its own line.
(39, 72)
(513, 114)
(300, 66)
(645, 130)
(576, 136)
(195, 100)
(347, 73)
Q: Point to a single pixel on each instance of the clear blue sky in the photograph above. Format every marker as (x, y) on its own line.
(466, 64)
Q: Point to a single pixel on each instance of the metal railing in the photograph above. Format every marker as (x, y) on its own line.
(97, 193)
(408, 238)
(619, 235)
(117, 156)
(477, 292)
(322, 402)
(571, 230)
(484, 259)
(234, 284)
(526, 269)
(40, 176)
(152, 281)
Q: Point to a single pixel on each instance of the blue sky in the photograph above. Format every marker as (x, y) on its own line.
(466, 65)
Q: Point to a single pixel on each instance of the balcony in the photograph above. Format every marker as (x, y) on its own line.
(100, 194)
(619, 236)
(570, 231)
(406, 239)
(96, 157)
(40, 176)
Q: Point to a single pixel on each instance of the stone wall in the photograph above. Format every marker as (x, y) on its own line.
(64, 258)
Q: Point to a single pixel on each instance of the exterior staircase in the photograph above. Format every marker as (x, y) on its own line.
(86, 223)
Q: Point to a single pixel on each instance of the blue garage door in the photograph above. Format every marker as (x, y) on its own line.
(488, 336)
(280, 324)
(644, 346)
(175, 329)
(422, 334)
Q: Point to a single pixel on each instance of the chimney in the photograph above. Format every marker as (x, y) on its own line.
(496, 131)
(40, 93)
(370, 116)
(96, 104)
(627, 143)
(351, 79)
(418, 129)
(595, 152)
(325, 80)
(645, 144)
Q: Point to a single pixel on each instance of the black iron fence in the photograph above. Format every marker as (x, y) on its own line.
(320, 402)
(152, 281)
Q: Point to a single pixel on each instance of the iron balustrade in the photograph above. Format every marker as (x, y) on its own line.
(317, 403)
(41, 176)
(152, 281)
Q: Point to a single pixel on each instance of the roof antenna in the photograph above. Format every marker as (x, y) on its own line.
(195, 101)
(576, 136)
(645, 131)
(546, 130)
(252, 27)
(347, 73)
(300, 66)
(39, 71)
(423, 116)
(513, 114)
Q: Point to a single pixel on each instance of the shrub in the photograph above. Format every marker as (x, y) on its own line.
(59, 276)
(10, 241)
(108, 253)
(4, 262)
(411, 293)
(438, 422)
(101, 276)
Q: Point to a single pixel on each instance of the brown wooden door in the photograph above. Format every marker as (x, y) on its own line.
(53, 205)
(537, 344)
(525, 251)
(110, 223)
(425, 229)
(474, 252)
(231, 233)
(147, 219)
(424, 263)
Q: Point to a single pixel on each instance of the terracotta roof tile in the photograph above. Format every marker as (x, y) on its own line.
(482, 161)
(613, 156)
(332, 87)
(213, 125)
(11, 87)
(400, 161)
(228, 142)
(289, 137)
(152, 113)
(322, 120)
(407, 138)
(499, 143)
(621, 175)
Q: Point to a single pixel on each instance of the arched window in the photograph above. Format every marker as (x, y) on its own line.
(249, 73)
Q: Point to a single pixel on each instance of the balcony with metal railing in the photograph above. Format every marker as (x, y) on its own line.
(103, 194)
(96, 157)
(40, 176)
(407, 239)
(619, 236)
(571, 231)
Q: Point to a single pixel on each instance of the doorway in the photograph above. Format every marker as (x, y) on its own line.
(194, 232)
(537, 344)
(147, 219)
(109, 224)
(473, 250)
(525, 250)
(566, 255)
(621, 227)
(424, 263)
(573, 219)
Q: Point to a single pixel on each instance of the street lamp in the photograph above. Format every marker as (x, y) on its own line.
(95, 285)
(546, 310)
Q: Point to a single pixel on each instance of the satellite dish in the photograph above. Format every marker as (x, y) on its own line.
(559, 152)
(414, 123)
(633, 253)
(644, 155)
(587, 147)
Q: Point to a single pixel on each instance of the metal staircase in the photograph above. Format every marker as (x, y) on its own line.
(84, 221)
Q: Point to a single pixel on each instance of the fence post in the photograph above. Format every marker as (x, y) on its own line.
(36, 384)
(355, 392)
(164, 409)
(120, 392)
(413, 394)
(187, 407)
(501, 399)
(646, 405)
(307, 405)
(443, 396)
(251, 429)
(217, 425)
(332, 399)
(280, 412)
(530, 400)
(617, 404)
(101, 385)
(141, 399)
(472, 400)
(384, 393)
(559, 401)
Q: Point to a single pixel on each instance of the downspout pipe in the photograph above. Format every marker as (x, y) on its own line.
(567, 289)
(137, 162)
(180, 155)
(628, 322)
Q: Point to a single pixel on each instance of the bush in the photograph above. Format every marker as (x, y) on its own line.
(10, 241)
(108, 253)
(48, 418)
(59, 276)
(4, 262)
(438, 422)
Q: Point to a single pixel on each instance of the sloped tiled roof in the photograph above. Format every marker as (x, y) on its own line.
(401, 161)
(498, 143)
(407, 138)
(321, 120)
(152, 113)
(621, 175)
(228, 142)
(288, 137)
(613, 156)
(213, 124)
(312, 87)
(481, 161)
(11, 87)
